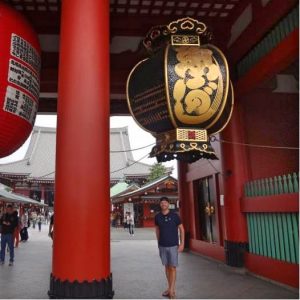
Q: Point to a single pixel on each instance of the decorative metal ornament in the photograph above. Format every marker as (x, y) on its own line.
(182, 93)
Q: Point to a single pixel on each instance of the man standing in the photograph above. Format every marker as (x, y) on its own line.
(167, 224)
(8, 222)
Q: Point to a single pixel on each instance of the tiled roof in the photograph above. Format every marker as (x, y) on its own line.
(39, 161)
(121, 188)
(118, 188)
(148, 185)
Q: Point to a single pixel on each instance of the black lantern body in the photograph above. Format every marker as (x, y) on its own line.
(182, 93)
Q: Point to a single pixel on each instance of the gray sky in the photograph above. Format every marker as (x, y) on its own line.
(137, 136)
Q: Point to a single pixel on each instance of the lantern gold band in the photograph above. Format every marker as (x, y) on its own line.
(182, 135)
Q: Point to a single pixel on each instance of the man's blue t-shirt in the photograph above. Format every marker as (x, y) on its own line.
(168, 229)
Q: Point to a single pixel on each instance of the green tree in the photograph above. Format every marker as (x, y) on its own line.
(7, 188)
(157, 170)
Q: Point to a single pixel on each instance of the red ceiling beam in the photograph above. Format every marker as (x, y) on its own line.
(277, 60)
(117, 107)
(264, 18)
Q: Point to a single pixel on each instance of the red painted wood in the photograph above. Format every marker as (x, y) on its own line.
(271, 119)
(264, 18)
(183, 196)
(148, 217)
(148, 223)
(277, 60)
(22, 191)
(82, 202)
(274, 269)
(275, 203)
(235, 174)
(193, 221)
(212, 250)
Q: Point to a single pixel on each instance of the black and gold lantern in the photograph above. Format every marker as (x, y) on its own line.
(182, 93)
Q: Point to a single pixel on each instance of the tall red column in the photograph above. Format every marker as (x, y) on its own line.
(81, 253)
(235, 168)
(183, 196)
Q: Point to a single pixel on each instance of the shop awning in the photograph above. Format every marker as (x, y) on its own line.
(16, 198)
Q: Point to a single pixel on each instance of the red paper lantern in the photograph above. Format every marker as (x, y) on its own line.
(20, 62)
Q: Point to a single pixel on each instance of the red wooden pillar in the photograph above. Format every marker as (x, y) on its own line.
(81, 252)
(183, 196)
(235, 169)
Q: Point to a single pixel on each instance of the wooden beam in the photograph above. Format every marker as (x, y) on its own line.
(264, 18)
(118, 107)
(275, 203)
(277, 60)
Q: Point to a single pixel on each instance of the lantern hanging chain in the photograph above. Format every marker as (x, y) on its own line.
(254, 145)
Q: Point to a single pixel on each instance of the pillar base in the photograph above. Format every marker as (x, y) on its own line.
(234, 253)
(80, 290)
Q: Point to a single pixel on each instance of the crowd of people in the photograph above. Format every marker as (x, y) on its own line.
(14, 224)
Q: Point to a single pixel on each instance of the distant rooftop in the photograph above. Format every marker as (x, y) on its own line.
(39, 161)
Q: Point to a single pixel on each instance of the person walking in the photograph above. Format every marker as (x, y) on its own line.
(39, 220)
(167, 224)
(9, 221)
(34, 219)
(131, 223)
(17, 230)
(125, 221)
(24, 226)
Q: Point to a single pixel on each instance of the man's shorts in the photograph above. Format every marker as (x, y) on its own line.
(169, 256)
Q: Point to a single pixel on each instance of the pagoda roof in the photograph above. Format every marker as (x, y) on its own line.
(39, 161)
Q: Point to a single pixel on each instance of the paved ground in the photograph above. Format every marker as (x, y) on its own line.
(137, 272)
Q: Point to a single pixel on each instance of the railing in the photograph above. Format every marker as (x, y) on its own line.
(274, 235)
(270, 41)
(273, 232)
(272, 186)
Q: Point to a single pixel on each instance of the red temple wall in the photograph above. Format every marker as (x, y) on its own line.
(271, 119)
(148, 218)
(22, 191)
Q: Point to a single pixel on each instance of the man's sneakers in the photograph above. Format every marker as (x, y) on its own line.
(1, 262)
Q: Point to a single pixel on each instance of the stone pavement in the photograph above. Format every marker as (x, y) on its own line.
(137, 272)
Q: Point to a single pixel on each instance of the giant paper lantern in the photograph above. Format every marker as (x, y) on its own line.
(182, 93)
(19, 79)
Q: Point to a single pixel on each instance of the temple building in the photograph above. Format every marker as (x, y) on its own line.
(143, 202)
(34, 175)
